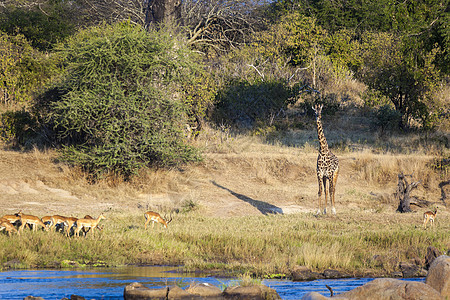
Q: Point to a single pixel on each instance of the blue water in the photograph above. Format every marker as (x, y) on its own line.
(109, 283)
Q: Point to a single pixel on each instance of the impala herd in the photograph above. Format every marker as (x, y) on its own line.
(16, 223)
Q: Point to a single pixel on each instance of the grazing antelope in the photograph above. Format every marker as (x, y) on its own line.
(88, 223)
(91, 218)
(33, 221)
(70, 223)
(67, 222)
(154, 217)
(13, 219)
(56, 220)
(6, 225)
(47, 220)
(429, 216)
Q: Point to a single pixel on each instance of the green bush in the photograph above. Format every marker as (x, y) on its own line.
(43, 25)
(17, 127)
(387, 118)
(121, 103)
(244, 103)
(23, 70)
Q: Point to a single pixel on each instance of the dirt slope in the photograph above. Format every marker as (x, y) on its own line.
(280, 180)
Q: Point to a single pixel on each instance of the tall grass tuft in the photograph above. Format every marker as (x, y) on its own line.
(261, 245)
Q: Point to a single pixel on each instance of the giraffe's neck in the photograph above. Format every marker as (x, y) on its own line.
(322, 140)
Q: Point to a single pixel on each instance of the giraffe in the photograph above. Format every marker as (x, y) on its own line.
(327, 165)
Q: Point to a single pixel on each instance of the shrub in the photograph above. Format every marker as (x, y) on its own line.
(244, 103)
(23, 70)
(17, 127)
(43, 25)
(387, 118)
(121, 104)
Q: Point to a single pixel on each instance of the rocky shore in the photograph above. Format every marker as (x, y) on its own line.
(436, 287)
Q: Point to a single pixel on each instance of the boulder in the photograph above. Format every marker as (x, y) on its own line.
(302, 273)
(137, 291)
(33, 298)
(314, 296)
(333, 274)
(409, 270)
(432, 254)
(254, 292)
(439, 275)
(393, 289)
(204, 290)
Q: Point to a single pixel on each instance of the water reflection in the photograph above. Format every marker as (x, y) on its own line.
(109, 283)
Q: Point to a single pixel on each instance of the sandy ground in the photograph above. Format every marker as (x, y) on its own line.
(223, 185)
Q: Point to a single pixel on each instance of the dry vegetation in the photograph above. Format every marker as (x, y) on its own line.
(248, 206)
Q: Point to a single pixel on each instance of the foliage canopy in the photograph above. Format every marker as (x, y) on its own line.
(120, 104)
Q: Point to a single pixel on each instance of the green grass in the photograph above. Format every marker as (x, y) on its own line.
(261, 245)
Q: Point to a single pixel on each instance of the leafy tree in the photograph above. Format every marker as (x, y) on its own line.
(243, 103)
(393, 69)
(426, 19)
(120, 104)
(43, 23)
(23, 70)
(342, 47)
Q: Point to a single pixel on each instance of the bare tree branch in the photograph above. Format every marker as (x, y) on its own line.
(224, 23)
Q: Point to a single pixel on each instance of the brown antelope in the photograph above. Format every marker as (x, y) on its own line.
(70, 223)
(33, 221)
(6, 225)
(47, 220)
(88, 223)
(67, 222)
(429, 216)
(87, 230)
(154, 217)
(13, 219)
(56, 220)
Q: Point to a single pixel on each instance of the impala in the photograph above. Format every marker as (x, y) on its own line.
(13, 219)
(154, 217)
(33, 221)
(70, 223)
(6, 225)
(429, 216)
(56, 220)
(47, 220)
(67, 222)
(87, 230)
(88, 224)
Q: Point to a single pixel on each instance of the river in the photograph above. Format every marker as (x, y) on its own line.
(109, 283)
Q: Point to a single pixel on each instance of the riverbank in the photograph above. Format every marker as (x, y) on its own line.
(109, 283)
(355, 244)
(249, 207)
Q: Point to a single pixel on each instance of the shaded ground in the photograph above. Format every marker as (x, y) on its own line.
(282, 181)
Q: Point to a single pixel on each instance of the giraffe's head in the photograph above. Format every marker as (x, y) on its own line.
(318, 110)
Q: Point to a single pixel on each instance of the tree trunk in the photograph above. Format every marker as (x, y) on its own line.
(162, 11)
(403, 193)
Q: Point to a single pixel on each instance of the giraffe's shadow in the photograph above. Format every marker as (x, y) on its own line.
(264, 207)
(444, 196)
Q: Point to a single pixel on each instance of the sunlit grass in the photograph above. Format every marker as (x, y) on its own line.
(260, 245)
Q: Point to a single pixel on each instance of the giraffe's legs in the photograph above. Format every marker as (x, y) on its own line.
(319, 198)
(327, 195)
(332, 191)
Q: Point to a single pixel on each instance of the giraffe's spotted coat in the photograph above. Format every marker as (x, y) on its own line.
(327, 166)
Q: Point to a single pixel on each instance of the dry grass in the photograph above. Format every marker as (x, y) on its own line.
(247, 172)
(225, 205)
(357, 243)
